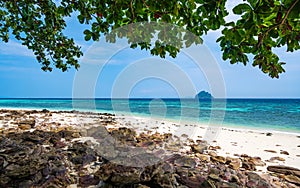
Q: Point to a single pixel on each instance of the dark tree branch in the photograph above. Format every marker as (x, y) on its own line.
(277, 25)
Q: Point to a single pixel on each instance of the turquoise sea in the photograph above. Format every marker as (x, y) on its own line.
(265, 114)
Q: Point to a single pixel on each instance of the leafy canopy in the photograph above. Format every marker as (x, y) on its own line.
(262, 26)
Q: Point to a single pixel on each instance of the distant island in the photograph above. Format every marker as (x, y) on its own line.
(203, 95)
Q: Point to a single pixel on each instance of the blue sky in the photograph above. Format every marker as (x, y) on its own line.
(127, 74)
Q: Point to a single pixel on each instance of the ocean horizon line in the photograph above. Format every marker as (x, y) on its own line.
(139, 98)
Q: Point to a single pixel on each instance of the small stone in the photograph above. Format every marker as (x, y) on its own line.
(213, 176)
(214, 147)
(45, 111)
(118, 174)
(26, 183)
(208, 184)
(88, 180)
(270, 151)
(165, 180)
(284, 152)
(185, 161)
(254, 181)
(24, 126)
(284, 170)
(234, 163)
(272, 159)
(184, 136)
(4, 180)
(248, 166)
(212, 153)
(293, 179)
(234, 178)
(199, 148)
(257, 161)
(203, 157)
(219, 159)
(244, 155)
(30, 122)
(269, 134)
(72, 186)
(142, 186)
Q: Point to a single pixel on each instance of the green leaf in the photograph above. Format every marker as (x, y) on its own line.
(241, 8)
(87, 32)
(219, 39)
(229, 24)
(88, 37)
(80, 19)
(253, 2)
(295, 13)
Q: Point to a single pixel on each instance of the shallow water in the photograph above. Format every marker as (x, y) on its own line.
(268, 114)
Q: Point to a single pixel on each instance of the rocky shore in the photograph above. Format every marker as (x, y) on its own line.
(78, 149)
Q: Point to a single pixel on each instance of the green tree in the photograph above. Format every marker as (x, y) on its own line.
(262, 26)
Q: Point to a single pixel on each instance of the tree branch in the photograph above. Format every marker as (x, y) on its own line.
(277, 25)
(288, 11)
(264, 35)
(19, 10)
(145, 4)
(132, 12)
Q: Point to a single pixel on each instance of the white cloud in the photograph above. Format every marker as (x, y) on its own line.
(15, 48)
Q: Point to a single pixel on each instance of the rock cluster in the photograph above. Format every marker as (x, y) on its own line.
(290, 174)
(35, 158)
(119, 157)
